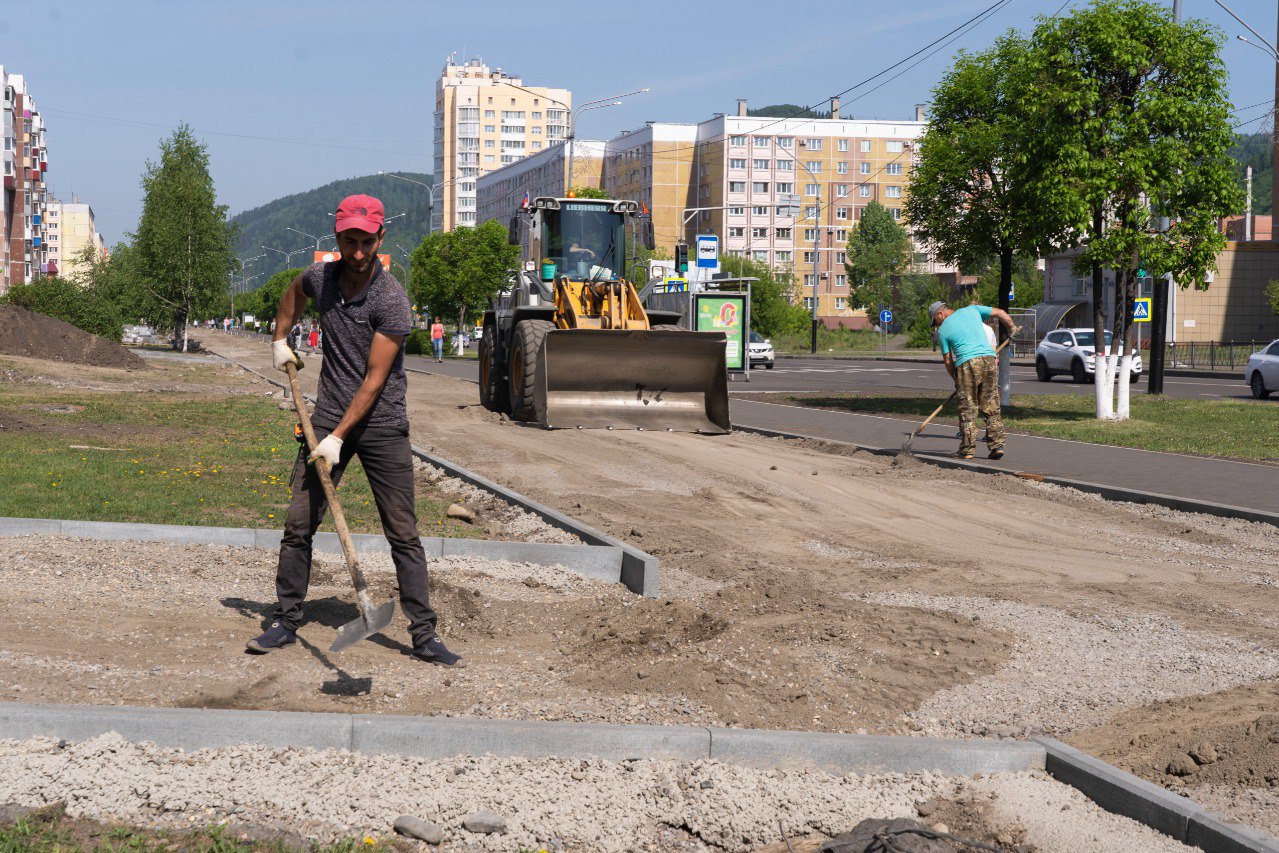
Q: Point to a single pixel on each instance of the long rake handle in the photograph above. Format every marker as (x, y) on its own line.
(322, 468)
(953, 395)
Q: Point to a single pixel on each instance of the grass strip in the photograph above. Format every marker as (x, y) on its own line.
(1231, 429)
(175, 458)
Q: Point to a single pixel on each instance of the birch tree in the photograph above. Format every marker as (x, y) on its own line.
(1131, 134)
(183, 248)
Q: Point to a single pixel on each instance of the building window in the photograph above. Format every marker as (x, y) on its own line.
(893, 169)
(841, 213)
(841, 145)
(737, 211)
(736, 231)
(814, 166)
(812, 189)
(762, 141)
(737, 163)
(893, 146)
(808, 257)
(814, 145)
(864, 168)
(536, 114)
(761, 164)
(759, 233)
(537, 131)
(488, 158)
(892, 192)
(782, 233)
(841, 234)
(897, 212)
(841, 303)
(785, 165)
(760, 256)
(785, 142)
(759, 210)
(490, 143)
(864, 191)
(865, 146)
(810, 234)
(841, 280)
(737, 140)
(785, 188)
(537, 146)
(841, 168)
(811, 212)
(808, 300)
(840, 258)
(759, 186)
(783, 257)
(509, 114)
(841, 190)
(489, 128)
(737, 186)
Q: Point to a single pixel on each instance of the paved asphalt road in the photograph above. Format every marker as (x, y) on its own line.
(819, 375)
(1242, 484)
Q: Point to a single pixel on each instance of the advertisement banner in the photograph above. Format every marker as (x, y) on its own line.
(727, 314)
(329, 257)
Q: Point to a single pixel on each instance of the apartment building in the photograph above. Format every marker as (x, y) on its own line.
(654, 166)
(71, 228)
(23, 201)
(500, 193)
(486, 119)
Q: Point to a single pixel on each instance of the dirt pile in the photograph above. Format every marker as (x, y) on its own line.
(33, 335)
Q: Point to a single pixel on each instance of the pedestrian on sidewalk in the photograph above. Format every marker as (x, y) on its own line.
(360, 411)
(437, 340)
(313, 339)
(971, 363)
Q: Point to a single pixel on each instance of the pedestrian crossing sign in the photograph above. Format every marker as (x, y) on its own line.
(1141, 310)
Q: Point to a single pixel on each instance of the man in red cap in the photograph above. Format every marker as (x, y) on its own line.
(359, 411)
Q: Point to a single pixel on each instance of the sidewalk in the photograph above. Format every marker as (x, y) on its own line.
(1245, 486)
(926, 357)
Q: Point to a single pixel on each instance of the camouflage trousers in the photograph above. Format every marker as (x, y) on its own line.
(977, 381)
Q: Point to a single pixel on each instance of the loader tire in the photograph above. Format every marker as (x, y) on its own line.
(525, 349)
(493, 391)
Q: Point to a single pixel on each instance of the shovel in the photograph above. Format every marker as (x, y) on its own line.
(373, 617)
(905, 451)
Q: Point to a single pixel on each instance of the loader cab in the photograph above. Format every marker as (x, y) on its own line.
(585, 238)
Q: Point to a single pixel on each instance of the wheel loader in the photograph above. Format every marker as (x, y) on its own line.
(568, 344)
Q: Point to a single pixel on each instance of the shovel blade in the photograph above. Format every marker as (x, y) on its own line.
(370, 621)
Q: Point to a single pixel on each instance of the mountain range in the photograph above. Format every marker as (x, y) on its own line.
(311, 211)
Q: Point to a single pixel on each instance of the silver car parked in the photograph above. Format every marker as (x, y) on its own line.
(1071, 351)
(1262, 371)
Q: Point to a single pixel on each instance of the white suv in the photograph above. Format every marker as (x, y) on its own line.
(1262, 372)
(761, 350)
(1071, 351)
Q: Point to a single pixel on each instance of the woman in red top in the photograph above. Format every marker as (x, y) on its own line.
(314, 340)
(437, 340)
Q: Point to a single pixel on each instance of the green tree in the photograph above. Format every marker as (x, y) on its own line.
(915, 292)
(773, 308)
(589, 192)
(879, 250)
(1025, 274)
(457, 273)
(1272, 296)
(264, 302)
(183, 243)
(1131, 123)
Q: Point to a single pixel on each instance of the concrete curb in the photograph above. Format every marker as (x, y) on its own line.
(640, 571)
(442, 737)
(1125, 794)
(1111, 493)
(601, 562)
(925, 359)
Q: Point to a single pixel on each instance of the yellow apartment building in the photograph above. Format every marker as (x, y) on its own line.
(486, 119)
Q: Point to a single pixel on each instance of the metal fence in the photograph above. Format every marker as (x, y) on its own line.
(1207, 355)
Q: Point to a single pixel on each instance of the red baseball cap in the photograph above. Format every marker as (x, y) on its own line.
(362, 212)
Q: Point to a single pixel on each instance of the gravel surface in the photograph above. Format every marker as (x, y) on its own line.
(1083, 668)
(566, 805)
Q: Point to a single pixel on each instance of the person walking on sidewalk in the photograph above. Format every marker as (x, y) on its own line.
(971, 363)
(437, 340)
(360, 411)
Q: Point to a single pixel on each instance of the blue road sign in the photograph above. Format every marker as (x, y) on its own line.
(1141, 310)
(885, 316)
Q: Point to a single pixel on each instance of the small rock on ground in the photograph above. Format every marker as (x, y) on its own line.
(415, 827)
(485, 821)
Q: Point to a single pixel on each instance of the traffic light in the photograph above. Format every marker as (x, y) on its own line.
(681, 258)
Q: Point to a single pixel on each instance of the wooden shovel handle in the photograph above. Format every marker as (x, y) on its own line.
(322, 469)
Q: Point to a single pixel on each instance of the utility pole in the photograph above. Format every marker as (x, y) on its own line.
(1247, 210)
(817, 253)
(1159, 304)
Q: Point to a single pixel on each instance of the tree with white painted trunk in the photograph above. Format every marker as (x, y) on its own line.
(1132, 134)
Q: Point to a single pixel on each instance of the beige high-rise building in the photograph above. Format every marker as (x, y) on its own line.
(72, 229)
(486, 119)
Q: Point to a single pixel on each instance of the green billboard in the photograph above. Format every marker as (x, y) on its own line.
(727, 314)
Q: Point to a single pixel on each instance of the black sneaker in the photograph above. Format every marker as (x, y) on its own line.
(434, 651)
(274, 637)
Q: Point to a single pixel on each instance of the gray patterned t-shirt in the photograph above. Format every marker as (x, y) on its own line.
(348, 336)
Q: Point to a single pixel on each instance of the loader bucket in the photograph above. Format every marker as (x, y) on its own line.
(643, 379)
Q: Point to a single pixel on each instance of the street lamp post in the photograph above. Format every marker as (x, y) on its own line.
(817, 233)
(599, 104)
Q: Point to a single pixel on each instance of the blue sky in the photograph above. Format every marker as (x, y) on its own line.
(290, 95)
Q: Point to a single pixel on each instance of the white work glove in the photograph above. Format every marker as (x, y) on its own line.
(282, 354)
(330, 448)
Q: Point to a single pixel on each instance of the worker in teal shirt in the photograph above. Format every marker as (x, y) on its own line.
(971, 362)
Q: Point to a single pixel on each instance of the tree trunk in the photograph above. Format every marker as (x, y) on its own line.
(1005, 301)
(1104, 400)
(1119, 348)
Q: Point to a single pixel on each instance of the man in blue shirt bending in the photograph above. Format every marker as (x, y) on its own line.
(971, 362)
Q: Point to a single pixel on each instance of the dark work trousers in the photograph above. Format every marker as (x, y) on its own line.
(388, 464)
